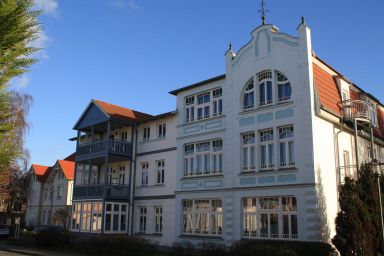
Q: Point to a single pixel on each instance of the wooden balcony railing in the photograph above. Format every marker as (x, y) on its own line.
(101, 191)
(356, 109)
(105, 146)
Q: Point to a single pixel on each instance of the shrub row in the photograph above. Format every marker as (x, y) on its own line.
(112, 245)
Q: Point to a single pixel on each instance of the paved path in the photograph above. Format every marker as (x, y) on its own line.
(13, 250)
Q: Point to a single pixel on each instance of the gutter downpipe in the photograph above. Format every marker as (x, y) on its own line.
(132, 179)
(356, 147)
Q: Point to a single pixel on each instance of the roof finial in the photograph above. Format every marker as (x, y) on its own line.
(230, 46)
(302, 20)
(263, 11)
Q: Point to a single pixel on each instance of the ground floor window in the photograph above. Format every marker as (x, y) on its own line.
(270, 217)
(116, 215)
(143, 219)
(158, 219)
(86, 216)
(202, 217)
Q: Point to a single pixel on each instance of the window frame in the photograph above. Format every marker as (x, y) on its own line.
(160, 172)
(288, 144)
(158, 210)
(269, 145)
(144, 173)
(162, 130)
(143, 211)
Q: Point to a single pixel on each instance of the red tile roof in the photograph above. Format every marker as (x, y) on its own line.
(327, 89)
(115, 111)
(68, 168)
(40, 171)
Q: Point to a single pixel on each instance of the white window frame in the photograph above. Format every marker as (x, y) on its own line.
(201, 158)
(209, 216)
(287, 143)
(144, 173)
(267, 141)
(266, 78)
(248, 151)
(249, 91)
(160, 175)
(161, 130)
(143, 219)
(252, 212)
(214, 105)
(146, 133)
(60, 192)
(119, 214)
(283, 83)
(158, 219)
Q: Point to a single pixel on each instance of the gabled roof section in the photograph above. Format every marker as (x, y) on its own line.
(118, 112)
(71, 157)
(99, 112)
(68, 168)
(41, 171)
(188, 87)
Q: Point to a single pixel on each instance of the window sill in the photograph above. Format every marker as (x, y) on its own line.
(291, 168)
(202, 120)
(282, 103)
(151, 186)
(203, 176)
(202, 237)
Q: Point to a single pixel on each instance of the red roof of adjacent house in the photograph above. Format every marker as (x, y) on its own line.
(327, 89)
(68, 168)
(329, 94)
(121, 112)
(40, 171)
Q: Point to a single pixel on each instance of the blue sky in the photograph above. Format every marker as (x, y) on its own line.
(132, 52)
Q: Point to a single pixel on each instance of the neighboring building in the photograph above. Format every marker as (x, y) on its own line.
(50, 194)
(258, 152)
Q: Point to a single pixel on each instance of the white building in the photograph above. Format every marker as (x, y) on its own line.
(258, 152)
(50, 194)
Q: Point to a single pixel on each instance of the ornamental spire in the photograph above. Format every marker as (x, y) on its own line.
(262, 11)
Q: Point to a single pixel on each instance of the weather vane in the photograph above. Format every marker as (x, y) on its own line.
(263, 11)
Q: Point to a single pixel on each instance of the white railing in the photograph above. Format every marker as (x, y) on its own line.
(356, 109)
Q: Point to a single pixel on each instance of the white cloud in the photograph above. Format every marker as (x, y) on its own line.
(41, 42)
(20, 82)
(122, 4)
(47, 6)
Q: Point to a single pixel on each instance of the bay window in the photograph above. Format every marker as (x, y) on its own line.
(270, 217)
(203, 158)
(202, 217)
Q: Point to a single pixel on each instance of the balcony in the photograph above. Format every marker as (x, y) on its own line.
(101, 148)
(356, 109)
(98, 191)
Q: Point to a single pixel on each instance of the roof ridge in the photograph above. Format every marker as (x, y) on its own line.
(121, 107)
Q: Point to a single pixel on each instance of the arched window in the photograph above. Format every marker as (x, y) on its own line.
(249, 95)
(265, 88)
(284, 89)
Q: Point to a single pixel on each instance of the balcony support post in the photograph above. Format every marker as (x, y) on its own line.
(356, 147)
(105, 177)
(372, 145)
(89, 171)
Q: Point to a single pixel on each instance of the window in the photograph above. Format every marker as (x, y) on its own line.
(76, 213)
(158, 219)
(122, 175)
(161, 130)
(249, 95)
(270, 217)
(59, 192)
(116, 217)
(204, 105)
(144, 174)
(97, 209)
(124, 136)
(217, 102)
(86, 217)
(160, 172)
(248, 153)
(284, 89)
(344, 95)
(202, 217)
(287, 147)
(265, 88)
(146, 133)
(203, 158)
(266, 149)
(143, 219)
